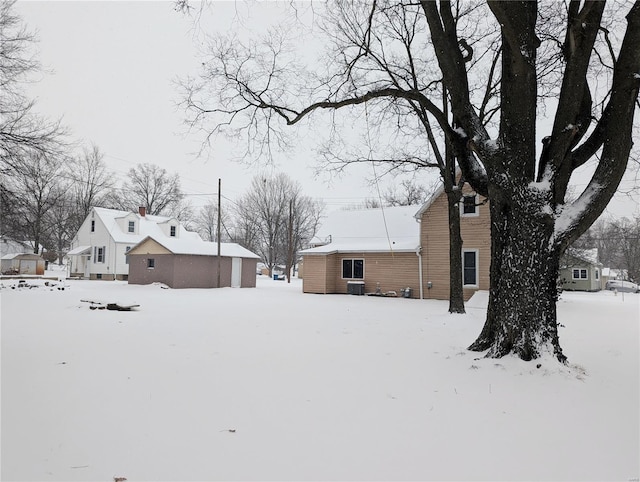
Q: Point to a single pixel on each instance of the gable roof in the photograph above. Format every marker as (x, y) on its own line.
(430, 201)
(197, 247)
(147, 226)
(589, 256)
(368, 230)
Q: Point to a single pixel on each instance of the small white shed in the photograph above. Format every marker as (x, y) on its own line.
(22, 263)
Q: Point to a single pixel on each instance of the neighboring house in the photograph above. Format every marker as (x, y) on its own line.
(99, 249)
(12, 246)
(580, 270)
(395, 248)
(190, 263)
(22, 263)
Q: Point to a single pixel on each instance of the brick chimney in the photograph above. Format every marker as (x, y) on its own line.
(142, 211)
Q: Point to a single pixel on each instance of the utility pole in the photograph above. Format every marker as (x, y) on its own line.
(219, 223)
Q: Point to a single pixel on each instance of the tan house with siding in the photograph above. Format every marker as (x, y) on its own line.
(399, 249)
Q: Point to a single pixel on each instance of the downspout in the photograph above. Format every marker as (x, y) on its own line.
(419, 253)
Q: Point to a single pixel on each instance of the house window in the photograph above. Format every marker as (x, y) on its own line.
(597, 274)
(126, 258)
(470, 268)
(132, 226)
(93, 226)
(151, 263)
(99, 276)
(99, 254)
(173, 231)
(580, 274)
(469, 205)
(353, 268)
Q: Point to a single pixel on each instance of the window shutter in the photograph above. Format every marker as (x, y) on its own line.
(95, 254)
(104, 254)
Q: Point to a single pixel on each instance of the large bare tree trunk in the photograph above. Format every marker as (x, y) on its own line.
(521, 316)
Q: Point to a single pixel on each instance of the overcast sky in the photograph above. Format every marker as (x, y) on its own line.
(110, 72)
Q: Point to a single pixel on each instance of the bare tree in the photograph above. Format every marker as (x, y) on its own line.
(628, 233)
(408, 194)
(21, 131)
(281, 217)
(260, 89)
(62, 222)
(91, 182)
(152, 187)
(618, 244)
(303, 218)
(42, 183)
(207, 222)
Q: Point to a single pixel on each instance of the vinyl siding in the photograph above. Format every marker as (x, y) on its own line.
(315, 278)
(389, 271)
(434, 236)
(396, 271)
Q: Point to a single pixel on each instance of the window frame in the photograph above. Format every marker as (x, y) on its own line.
(131, 228)
(476, 253)
(352, 268)
(464, 205)
(173, 231)
(99, 254)
(151, 263)
(93, 226)
(580, 271)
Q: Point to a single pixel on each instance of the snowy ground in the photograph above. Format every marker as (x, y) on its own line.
(273, 384)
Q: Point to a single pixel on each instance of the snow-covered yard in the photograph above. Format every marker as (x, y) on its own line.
(273, 384)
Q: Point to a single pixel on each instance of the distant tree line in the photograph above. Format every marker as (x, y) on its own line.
(273, 218)
(618, 243)
(48, 184)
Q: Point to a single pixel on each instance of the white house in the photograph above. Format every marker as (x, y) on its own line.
(99, 249)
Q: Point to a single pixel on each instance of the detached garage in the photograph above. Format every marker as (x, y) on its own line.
(188, 263)
(22, 263)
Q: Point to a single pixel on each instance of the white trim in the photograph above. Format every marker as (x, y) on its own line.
(580, 277)
(476, 211)
(477, 267)
(342, 260)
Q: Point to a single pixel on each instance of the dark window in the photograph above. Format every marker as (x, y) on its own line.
(93, 226)
(580, 274)
(151, 263)
(470, 268)
(99, 276)
(469, 205)
(132, 226)
(99, 257)
(173, 230)
(597, 274)
(353, 268)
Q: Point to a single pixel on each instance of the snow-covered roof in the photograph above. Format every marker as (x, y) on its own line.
(147, 226)
(10, 256)
(368, 230)
(418, 214)
(199, 247)
(588, 255)
(21, 255)
(79, 250)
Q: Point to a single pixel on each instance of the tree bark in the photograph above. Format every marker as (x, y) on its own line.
(521, 316)
(456, 293)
